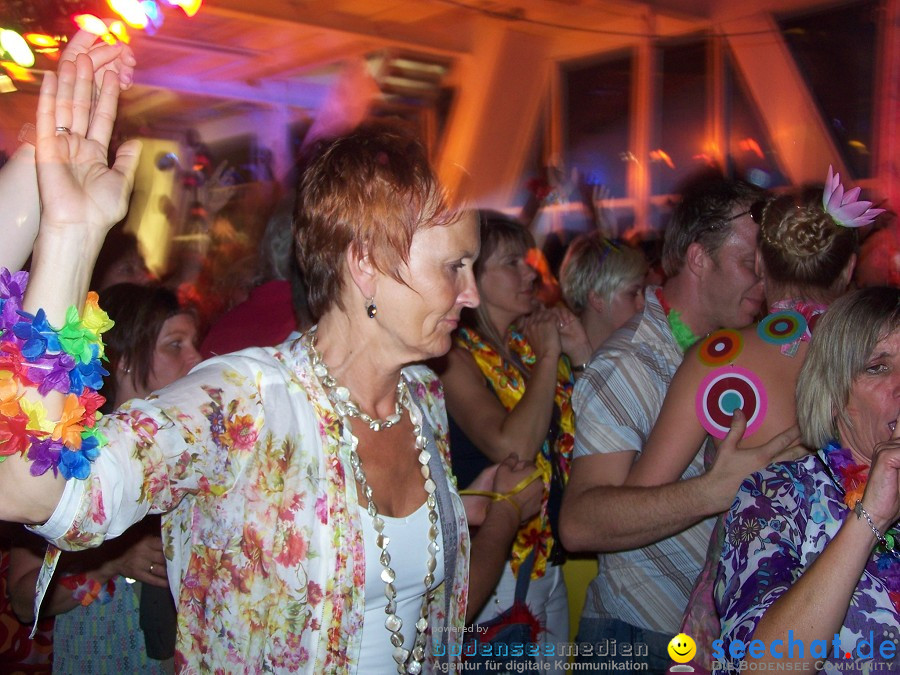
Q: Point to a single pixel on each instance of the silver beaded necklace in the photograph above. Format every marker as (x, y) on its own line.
(408, 661)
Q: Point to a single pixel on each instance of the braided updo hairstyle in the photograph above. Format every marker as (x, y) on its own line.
(802, 245)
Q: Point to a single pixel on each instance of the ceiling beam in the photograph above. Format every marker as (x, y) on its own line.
(449, 43)
(300, 95)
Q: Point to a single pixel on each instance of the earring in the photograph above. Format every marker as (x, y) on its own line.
(371, 309)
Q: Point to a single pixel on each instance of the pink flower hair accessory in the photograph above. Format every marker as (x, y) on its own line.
(846, 208)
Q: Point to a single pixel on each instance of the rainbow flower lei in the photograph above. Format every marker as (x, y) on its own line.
(68, 360)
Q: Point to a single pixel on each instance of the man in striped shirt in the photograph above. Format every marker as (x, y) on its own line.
(653, 540)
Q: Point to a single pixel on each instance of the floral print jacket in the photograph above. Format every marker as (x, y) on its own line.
(783, 517)
(262, 533)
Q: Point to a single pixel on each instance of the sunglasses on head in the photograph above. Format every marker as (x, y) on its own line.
(755, 212)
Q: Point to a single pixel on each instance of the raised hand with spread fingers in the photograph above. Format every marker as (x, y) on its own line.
(78, 188)
(82, 196)
(18, 182)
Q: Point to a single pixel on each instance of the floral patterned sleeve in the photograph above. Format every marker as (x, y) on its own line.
(192, 437)
(763, 550)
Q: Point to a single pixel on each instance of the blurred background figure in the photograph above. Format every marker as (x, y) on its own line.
(19, 652)
(120, 262)
(879, 258)
(276, 305)
(603, 283)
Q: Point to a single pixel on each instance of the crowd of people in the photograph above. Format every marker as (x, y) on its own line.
(410, 461)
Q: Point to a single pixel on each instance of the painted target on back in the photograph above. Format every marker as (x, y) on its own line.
(725, 390)
(720, 348)
(782, 327)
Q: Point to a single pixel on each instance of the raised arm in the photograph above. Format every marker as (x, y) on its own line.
(598, 515)
(677, 434)
(21, 207)
(791, 602)
(494, 430)
(18, 180)
(82, 198)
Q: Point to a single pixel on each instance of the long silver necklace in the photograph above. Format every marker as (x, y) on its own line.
(340, 396)
(408, 661)
(347, 407)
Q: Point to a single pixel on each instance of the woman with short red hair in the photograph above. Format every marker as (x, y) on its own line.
(310, 522)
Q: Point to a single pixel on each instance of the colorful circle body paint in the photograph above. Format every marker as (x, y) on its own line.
(720, 348)
(722, 392)
(782, 327)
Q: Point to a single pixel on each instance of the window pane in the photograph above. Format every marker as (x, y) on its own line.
(835, 52)
(533, 168)
(681, 116)
(597, 104)
(750, 152)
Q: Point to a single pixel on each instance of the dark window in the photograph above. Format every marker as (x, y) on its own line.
(680, 144)
(835, 51)
(598, 121)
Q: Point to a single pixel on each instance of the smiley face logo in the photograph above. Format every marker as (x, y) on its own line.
(682, 648)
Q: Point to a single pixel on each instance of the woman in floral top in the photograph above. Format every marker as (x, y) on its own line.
(807, 574)
(311, 524)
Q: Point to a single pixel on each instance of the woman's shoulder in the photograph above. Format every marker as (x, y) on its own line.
(739, 360)
(802, 478)
(808, 465)
(288, 354)
(284, 368)
(763, 337)
(726, 346)
(261, 356)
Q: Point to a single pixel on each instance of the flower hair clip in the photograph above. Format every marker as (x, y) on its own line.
(846, 208)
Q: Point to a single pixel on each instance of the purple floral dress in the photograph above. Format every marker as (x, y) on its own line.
(783, 517)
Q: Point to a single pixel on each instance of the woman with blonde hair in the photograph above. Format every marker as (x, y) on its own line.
(509, 383)
(810, 574)
(603, 283)
(806, 259)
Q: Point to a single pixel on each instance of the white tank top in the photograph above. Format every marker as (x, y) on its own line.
(409, 555)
